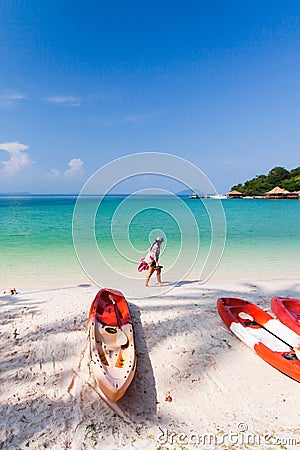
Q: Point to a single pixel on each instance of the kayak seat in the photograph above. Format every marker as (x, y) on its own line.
(107, 335)
(251, 323)
(290, 356)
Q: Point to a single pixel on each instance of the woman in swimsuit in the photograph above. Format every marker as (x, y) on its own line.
(153, 254)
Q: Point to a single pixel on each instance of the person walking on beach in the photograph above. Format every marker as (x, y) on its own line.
(153, 255)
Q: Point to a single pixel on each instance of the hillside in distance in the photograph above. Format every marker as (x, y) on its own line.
(278, 176)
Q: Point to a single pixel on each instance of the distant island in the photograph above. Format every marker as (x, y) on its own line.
(278, 176)
(15, 194)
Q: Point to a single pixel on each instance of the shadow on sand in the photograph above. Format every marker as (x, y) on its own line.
(140, 401)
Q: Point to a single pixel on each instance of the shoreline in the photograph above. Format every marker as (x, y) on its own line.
(132, 285)
(193, 375)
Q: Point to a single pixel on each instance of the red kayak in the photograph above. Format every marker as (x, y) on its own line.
(111, 340)
(288, 312)
(268, 337)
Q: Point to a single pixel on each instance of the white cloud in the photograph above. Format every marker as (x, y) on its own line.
(18, 157)
(64, 100)
(133, 119)
(14, 96)
(55, 172)
(11, 99)
(75, 167)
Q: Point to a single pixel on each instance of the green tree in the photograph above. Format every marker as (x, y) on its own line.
(238, 187)
(292, 184)
(295, 172)
(258, 186)
(277, 175)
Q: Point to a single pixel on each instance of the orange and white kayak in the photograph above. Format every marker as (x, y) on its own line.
(288, 312)
(111, 341)
(268, 337)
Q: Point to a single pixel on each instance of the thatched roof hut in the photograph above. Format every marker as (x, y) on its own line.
(295, 195)
(280, 193)
(277, 191)
(235, 194)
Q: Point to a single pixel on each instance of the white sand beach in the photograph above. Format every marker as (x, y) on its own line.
(196, 385)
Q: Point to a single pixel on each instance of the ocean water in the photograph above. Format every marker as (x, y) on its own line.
(46, 241)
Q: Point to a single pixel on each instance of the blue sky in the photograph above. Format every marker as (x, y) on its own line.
(83, 83)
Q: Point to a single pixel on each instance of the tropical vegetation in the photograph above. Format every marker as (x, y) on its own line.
(278, 176)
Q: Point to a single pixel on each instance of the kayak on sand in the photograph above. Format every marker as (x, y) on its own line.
(111, 342)
(268, 337)
(288, 312)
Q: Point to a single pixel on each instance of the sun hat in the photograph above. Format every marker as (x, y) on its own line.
(160, 239)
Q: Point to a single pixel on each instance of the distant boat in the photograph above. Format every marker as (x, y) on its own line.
(247, 197)
(194, 195)
(218, 197)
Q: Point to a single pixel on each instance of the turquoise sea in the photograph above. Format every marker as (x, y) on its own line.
(262, 238)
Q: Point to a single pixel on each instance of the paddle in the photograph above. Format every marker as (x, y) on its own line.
(121, 338)
(244, 315)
